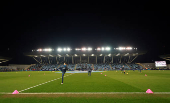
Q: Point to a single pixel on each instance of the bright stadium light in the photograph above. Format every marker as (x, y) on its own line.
(77, 49)
(98, 48)
(68, 49)
(59, 49)
(129, 48)
(64, 49)
(92, 55)
(107, 48)
(47, 49)
(84, 54)
(89, 49)
(39, 50)
(36, 56)
(42, 55)
(102, 48)
(0, 62)
(75, 54)
(121, 48)
(83, 49)
(101, 54)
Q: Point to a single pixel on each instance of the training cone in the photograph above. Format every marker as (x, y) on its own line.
(29, 75)
(145, 75)
(15, 92)
(101, 73)
(105, 75)
(149, 91)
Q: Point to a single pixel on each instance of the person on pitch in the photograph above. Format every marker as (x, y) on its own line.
(89, 71)
(63, 70)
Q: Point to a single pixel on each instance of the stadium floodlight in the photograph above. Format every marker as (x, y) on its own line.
(42, 55)
(129, 48)
(84, 54)
(92, 55)
(101, 54)
(107, 48)
(83, 49)
(102, 48)
(47, 49)
(39, 50)
(0, 62)
(64, 49)
(59, 49)
(77, 49)
(89, 49)
(68, 49)
(75, 54)
(121, 48)
(98, 48)
(36, 56)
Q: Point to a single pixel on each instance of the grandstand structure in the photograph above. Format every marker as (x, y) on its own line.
(76, 58)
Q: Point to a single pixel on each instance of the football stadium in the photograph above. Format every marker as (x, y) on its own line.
(75, 52)
(101, 74)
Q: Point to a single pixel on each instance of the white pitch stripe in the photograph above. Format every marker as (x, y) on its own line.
(41, 84)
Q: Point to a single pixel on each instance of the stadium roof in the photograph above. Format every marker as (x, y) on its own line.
(92, 53)
(166, 57)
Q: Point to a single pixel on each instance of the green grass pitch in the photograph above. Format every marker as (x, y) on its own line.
(40, 82)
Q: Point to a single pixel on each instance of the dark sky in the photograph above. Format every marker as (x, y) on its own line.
(139, 24)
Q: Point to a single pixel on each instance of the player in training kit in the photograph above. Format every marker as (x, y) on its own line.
(89, 71)
(63, 70)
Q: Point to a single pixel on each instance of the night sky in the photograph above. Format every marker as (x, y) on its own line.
(30, 26)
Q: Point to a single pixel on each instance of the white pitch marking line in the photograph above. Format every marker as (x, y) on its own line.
(41, 84)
